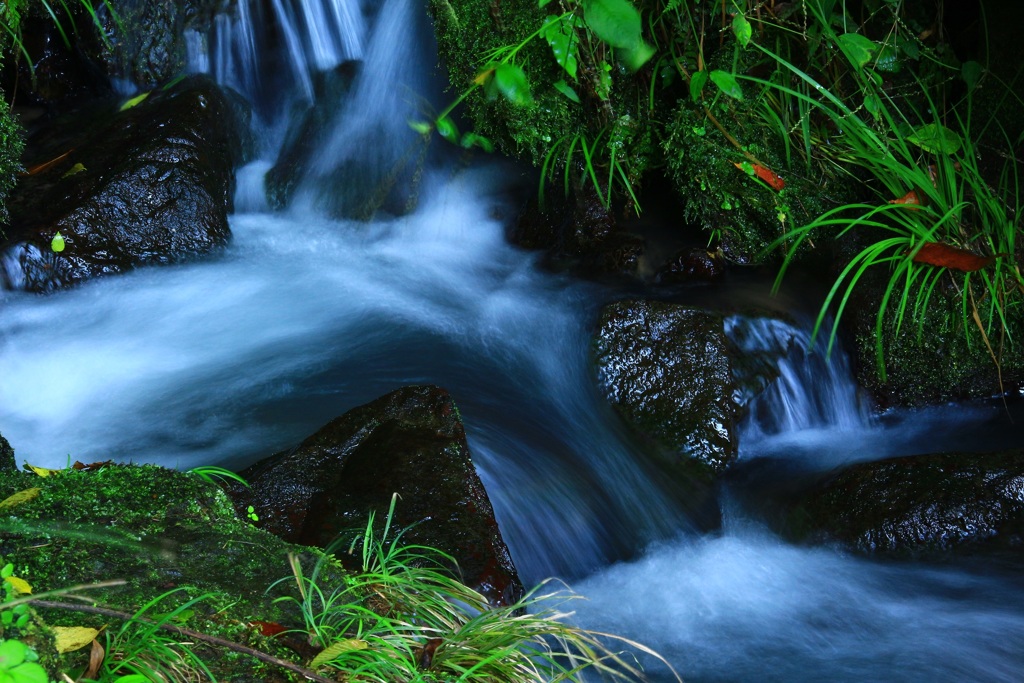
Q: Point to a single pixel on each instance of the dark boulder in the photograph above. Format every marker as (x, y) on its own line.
(578, 232)
(7, 460)
(151, 184)
(409, 442)
(692, 265)
(77, 52)
(918, 505)
(666, 369)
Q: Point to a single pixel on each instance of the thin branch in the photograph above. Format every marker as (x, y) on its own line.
(213, 640)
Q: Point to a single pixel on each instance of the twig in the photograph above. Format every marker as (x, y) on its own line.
(213, 640)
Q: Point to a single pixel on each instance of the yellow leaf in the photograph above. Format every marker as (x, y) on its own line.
(19, 498)
(133, 101)
(20, 585)
(71, 638)
(41, 471)
(338, 648)
(482, 77)
(77, 168)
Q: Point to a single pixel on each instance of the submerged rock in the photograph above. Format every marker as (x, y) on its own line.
(409, 442)
(308, 134)
(666, 370)
(918, 505)
(151, 184)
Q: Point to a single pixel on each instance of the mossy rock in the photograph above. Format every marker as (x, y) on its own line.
(159, 530)
(936, 356)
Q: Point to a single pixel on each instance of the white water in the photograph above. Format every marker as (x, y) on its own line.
(301, 318)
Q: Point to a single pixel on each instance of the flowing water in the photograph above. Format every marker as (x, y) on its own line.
(303, 317)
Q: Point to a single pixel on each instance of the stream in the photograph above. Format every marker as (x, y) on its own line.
(303, 316)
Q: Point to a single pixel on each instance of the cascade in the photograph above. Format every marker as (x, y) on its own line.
(302, 317)
(809, 389)
(271, 50)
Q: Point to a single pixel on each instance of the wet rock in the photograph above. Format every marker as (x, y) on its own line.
(578, 232)
(307, 134)
(142, 47)
(409, 442)
(692, 265)
(918, 505)
(7, 460)
(152, 184)
(666, 369)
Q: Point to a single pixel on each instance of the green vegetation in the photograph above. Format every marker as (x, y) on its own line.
(208, 584)
(785, 129)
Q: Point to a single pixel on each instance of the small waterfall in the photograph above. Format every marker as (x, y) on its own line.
(271, 50)
(372, 159)
(789, 383)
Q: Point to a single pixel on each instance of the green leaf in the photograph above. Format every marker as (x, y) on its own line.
(560, 33)
(542, 3)
(57, 243)
(510, 80)
(566, 89)
(133, 101)
(12, 653)
(338, 648)
(448, 130)
(132, 678)
(858, 49)
(421, 127)
(616, 22)
(472, 139)
(936, 138)
(909, 48)
(697, 82)
(636, 56)
(604, 80)
(28, 673)
(743, 30)
(888, 60)
(971, 73)
(727, 83)
(873, 104)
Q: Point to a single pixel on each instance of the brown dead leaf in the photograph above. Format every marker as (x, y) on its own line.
(945, 256)
(46, 165)
(91, 467)
(95, 660)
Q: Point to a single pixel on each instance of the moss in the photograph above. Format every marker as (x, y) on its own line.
(160, 530)
(12, 142)
(649, 121)
(938, 357)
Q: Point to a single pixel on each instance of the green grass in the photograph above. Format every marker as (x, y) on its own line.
(402, 617)
(914, 144)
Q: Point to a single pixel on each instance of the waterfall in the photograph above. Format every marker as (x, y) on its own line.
(270, 51)
(372, 158)
(798, 386)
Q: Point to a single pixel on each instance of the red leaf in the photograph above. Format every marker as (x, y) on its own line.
(945, 256)
(268, 628)
(770, 178)
(911, 199)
